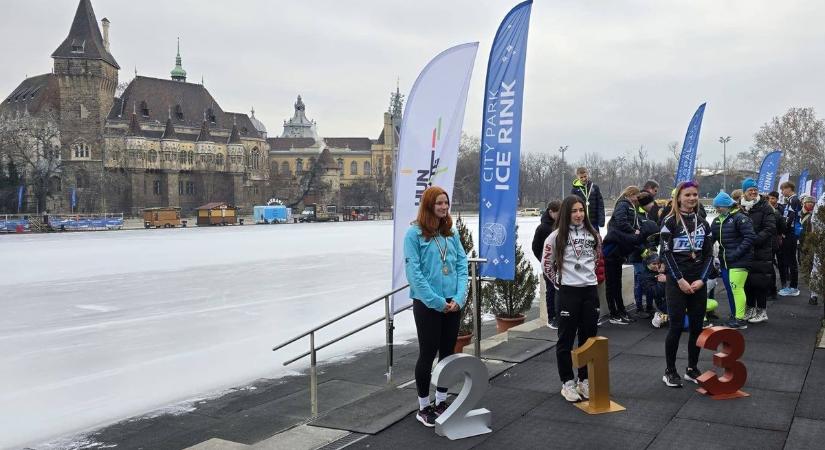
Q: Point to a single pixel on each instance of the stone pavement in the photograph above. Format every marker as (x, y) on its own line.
(786, 409)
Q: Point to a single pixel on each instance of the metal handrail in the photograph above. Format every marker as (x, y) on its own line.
(336, 319)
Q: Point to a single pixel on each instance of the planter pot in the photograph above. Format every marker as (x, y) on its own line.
(505, 323)
(461, 341)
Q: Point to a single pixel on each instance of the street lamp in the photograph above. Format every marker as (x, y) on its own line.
(724, 141)
(562, 149)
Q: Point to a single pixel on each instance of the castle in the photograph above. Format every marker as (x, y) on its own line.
(168, 142)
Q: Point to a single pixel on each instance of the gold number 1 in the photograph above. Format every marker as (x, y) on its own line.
(593, 354)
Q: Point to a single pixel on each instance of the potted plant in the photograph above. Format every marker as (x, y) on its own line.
(465, 328)
(510, 300)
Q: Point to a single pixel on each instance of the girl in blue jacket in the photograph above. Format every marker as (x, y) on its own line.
(436, 267)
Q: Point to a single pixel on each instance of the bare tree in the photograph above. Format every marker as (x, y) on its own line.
(801, 137)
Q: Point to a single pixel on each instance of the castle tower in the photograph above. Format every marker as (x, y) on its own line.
(178, 74)
(87, 78)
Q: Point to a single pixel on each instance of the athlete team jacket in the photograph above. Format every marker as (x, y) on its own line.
(590, 260)
(676, 249)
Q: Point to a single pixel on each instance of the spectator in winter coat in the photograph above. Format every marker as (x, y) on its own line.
(733, 231)
(623, 238)
(773, 199)
(547, 225)
(808, 204)
(648, 229)
(590, 194)
(652, 188)
(763, 218)
(789, 271)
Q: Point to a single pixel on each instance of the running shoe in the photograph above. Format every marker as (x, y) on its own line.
(441, 407)
(569, 392)
(626, 319)
(554, 324)
(658, 320)
(427, 416)
(616, 319)
(794, 292)
(749, 313)
(761, 316)
(784, 292)
(692, 375)
(672, 379)
(583, 388)
(737, 324)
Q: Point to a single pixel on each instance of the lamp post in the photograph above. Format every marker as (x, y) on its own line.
(724, 141)
(562, 149)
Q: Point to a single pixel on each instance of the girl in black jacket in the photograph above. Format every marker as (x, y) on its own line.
(623, 236)
(733, 230)
(763, 217)
(687, 249)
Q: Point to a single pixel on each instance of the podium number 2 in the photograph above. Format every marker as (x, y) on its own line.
(460, 420)
(727, 358)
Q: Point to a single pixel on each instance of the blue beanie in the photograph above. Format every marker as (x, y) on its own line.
(748, 183)
(723, 200)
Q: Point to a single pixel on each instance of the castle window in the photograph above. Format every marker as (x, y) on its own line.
(178, 112)
(182, 157)
(367, 168)
(180, 187)
(256, 158)
(81, 150)
(190, 188)
(78, 46)
(284, 168)
(353, 168)
(144, 109)
(190, 157)
(153, 156)
(156, 187)
(341, 165)
(299, 166)
(210, 115)
(220, 159)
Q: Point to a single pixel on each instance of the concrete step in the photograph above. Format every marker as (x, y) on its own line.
(302, 437)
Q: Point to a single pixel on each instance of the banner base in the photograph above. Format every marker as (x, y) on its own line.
(585, 406)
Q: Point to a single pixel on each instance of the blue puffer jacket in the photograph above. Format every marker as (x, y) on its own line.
(734, 233)
(423, 267)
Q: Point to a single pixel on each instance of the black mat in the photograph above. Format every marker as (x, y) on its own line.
(541, 333)
(640, 416)
(703, 434)
(625, 335)
(773, 376)
(806, 434)
(649, 386)
(541, 432)
(763, 409)
(371, 414)
(517, 350)
(506, 405)
(533, 375)
(778, 352)
(654, 345)
(813, 393)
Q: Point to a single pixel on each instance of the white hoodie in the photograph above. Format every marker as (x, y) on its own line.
(569, 275)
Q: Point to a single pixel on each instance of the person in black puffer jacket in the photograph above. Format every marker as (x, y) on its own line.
(547, 225)
(649, 240)
(763, 217)
(623, 238)
(733, 230)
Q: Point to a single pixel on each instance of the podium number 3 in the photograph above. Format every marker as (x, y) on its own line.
(732, 348)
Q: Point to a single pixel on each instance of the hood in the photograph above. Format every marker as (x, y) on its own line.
(578, 183)
(546, 219)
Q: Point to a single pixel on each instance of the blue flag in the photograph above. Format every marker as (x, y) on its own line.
(20, 198)
(820, 184)
(74, 198)
(803, 180)
(767, 173)
(501, 144)
(687, 160)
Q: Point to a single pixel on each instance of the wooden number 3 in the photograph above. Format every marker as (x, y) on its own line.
(460, 420)
(735, 374)
(593, 354)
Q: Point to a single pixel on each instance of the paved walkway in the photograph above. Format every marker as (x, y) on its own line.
(786, 409)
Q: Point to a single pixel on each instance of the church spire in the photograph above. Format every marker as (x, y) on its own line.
(178, 74)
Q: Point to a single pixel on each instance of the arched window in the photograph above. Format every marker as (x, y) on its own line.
(341, 165)
(220, 159)
(81, 150)
(256, 158)
(153, 156)
(144, 109)
(190, 157)
(353, 168)
(284, 168)
(299, 166)
(182, 157)
(367, 168)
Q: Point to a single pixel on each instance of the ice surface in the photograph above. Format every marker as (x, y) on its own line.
(98, 327)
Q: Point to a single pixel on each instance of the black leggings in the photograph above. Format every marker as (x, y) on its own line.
(756, 289)
(437, 333)
(679, 303)
(578, 314)
(789, 270)
(613, 288)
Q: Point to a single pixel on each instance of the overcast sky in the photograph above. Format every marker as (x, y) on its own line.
(602, 75)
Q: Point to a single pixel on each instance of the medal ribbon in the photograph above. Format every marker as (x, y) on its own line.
(442, 253)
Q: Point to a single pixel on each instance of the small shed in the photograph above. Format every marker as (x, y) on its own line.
(162, 217)
(217, 213)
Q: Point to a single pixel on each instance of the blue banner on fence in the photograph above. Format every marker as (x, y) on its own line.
(501, 144)
(20, 198)
(768, 171)
(803, 180)
(74, 198)
(687, 160)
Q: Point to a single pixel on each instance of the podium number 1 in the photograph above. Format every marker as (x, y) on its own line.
(593, 354)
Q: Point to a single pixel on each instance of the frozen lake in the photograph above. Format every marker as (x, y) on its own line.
(98, 327)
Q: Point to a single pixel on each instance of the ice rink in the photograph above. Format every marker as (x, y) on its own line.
(97, 327)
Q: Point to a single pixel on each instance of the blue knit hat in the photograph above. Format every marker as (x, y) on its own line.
(748, 183)
(723, 200)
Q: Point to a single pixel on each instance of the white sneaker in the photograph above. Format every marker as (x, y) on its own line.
(750, 313)
(568, 391)
(583, 388)
(656, 321)
(761, 317)
(793, 292)
(754, 318)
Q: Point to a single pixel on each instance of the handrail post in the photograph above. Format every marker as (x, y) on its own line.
(477, 306)
(389, 319)
(313, 376)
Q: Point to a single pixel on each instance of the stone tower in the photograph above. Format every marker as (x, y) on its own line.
(87, 78)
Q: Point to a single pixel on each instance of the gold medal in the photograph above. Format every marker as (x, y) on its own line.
(443, 254)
